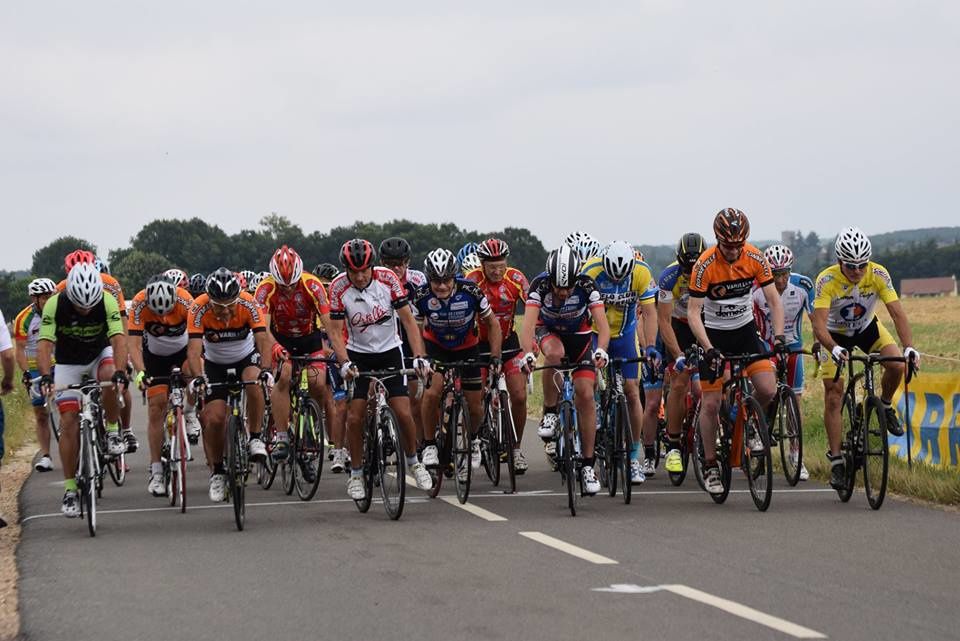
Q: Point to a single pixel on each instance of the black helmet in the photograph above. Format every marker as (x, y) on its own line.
(440, 264)
(326, 270)
(223, 286)
(562, 266)
(394, 248)
(689, 248)
(197, 284)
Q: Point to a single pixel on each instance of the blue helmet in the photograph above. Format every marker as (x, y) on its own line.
(466, 250)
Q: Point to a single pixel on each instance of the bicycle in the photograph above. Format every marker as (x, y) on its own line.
(303, 464)
(91, 457)
(786, 429)
(688, 427)
(237, 457)
(614, 432)
(453, 435)
(175, 451)
(384, 461)
(498, 434)
(865, 440)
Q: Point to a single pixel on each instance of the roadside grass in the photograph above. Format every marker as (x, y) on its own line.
(18, 420)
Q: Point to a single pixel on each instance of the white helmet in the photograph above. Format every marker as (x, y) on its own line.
(440, 264)
(41, 286)
(178, 277)
(470, 263)
(853, 246)
(618, 260)
(253, 282)
(779, 256)
(84, 286)
(161, 295)
(585, 245)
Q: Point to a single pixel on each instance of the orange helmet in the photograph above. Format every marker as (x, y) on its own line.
(77, 256)
(731, 226)
(286, 266)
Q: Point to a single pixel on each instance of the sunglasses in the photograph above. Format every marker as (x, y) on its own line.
(223, 305)
(394, 263)
(781, 272)
(855, 266)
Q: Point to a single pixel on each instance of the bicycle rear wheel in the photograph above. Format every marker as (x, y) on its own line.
(171, 467)
(235, 460)
(875, 454)
(788, 432)
(687, 429)
(391, 464)
(757, 463)
(490, 441)
(444, 457)
(308, 463)
(462, 449)
(364, 504)
(624, 445)
(851, 419)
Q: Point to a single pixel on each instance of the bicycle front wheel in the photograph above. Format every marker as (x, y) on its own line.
(724, 435)
(308, 461)
(624, 446)
(88, 484)
(235, 461)
(851, 418)
(875, 453)
(183, 449)
(490, 441)
(755, 455)
(789, 433)
(364, 504)
(568, 457)
(508, 439)
(462, 448)
(391, 464)
(117, 466)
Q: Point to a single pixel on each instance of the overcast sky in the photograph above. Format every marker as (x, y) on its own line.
(635, 120)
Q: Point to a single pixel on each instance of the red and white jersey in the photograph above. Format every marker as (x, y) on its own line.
(370, 314)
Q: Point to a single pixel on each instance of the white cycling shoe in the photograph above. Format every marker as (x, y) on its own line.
(422, 476)
(590, 483)
(431, 456)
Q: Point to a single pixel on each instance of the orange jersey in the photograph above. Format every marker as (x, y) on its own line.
(110, 285)
(297, 313)
(162, 335)
(226, 342)
(502, 296)
(727, 286)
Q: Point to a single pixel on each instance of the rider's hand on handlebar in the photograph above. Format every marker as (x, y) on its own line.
(279, 353)
(266, 377)
(600, 357)
(529, 362)
(422, 365)
(348, 371)
(496, 365)
(139, 379)
(26, 379)
(653, 355)
(714, 361)
(913, 355)
(46, 384)
(840, 354)
(198, 383)
(780, 345)
(120, 378)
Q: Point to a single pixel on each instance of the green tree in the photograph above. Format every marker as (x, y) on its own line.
(192, 245)
(48, 260)
(135, 268)
(13, 294)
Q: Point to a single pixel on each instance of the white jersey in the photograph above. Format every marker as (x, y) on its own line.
(796, 301)
(5, 342)
(370, 314)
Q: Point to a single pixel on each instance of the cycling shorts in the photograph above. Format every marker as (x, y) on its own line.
(36, 397)
(217, 373)
(743, 340)
(576, 347)
(795, 377)
(871, 339)
(154, 365)
(63, 375)
(396, 385)
(470, 375)
(310, 345)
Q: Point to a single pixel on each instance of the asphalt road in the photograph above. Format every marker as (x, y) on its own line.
(671, 566)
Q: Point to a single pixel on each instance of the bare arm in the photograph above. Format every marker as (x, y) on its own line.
(45, 356)
(901, 323)
(413, 331)
(694, 310)
(650, 322)
(602, 326)
(776, 307)
(9, 365)
(195, 356)
(665, 320)
(335, 336)
(135, 347)
(21, 356)
(494, 335)
(264, 343)
(529, 328)
(820, 331)
(119, 344)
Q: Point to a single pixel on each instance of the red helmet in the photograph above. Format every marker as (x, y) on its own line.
(493, 249)
(286, 266)
(75, 257)
(357, 254)
(731, 226)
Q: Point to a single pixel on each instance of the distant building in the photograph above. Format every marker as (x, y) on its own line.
(940, 286)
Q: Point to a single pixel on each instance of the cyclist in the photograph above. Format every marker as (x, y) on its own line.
(82, 328)
(197, 284)
(395, 255)
(626, 287)
(844, 317)
(227, 331)
(157, 343)
(178, 277)
(563, 302)
(504, 288)
(720, 315)
(335, 397)
(676, 337)
(584, 245)
(295, 303)
(326, 272)
(796, 298)
(471, 262)
(466, 250)
(370, 300)
(451, 309)
(26, 331)
(249, 280)
(112, 286)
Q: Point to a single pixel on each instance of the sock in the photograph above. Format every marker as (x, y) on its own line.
(886, 404)
(356, 472)
(69, 485)
(588, 461)
(649, 451)
(412, 460)
(156, 468)
(218, 469)
(634, 451)
(254, 435)
(112, 428)
(429, 442)
(550, 410)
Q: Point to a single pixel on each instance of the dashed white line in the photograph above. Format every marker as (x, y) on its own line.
(569, 548)
(486, 515)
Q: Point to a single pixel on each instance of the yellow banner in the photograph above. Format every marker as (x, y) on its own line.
(934, 420)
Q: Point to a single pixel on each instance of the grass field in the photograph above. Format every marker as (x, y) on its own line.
(936, 329)
(18, 419)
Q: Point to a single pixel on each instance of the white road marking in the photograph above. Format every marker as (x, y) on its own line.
(629, 588)
(569, 548)
(486, 515)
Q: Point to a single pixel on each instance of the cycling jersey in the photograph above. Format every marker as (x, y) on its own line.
(370, 314)
(796, 299)
(620, 299)
(110, 285)
(80, 338)
(452, 323)
(296, 313)
(26, 330)
(852, 307)
(674, 287)
(5, 342)
(411, 281)
(502, 296)
(727, 286)
(572, 316)
(162, 335)
(230, 341)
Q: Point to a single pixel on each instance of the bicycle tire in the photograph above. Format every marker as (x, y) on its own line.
(287, 464)
(568, 461)
(170, 466)
(444, 457)
(310, 451)
(875, 453)
(461, 448)
(363, 505)
(624, 446)
(724, 432)
(848, 413)
(758, 466)
(603, 454)
(267, 468)
(183, 446)
(687, 429)
(490, 442)
(391, 464)
(697, 458)
(509, 441)
(53, 425)
(89, 495)
(234, 443)
(789, 431)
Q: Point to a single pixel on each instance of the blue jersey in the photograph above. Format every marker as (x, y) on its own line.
(451, 323)
(570, 316)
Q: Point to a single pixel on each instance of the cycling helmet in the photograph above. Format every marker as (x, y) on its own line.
(689, 248)
(562, 266)
(286, 266)
(326, 270)
(466, 250)
(585, 245)
(357, 254)
(493, 249)
(254, 282)
(440, 264)
(853, 246)
(470, 263)
(84, 285)
(223, 286)
(618, 260)
(638, 256)
(41, 286)
(394, 248)
(161, 295)
(247, 276)
(241, 279)
(779, 256)
(196, 284)
(101, 266)
(550, 256)
(178, 277)
(78, 256)
(731, 226)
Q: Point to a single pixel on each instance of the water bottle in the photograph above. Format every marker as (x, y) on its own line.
(733, 413)
(339, 394)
